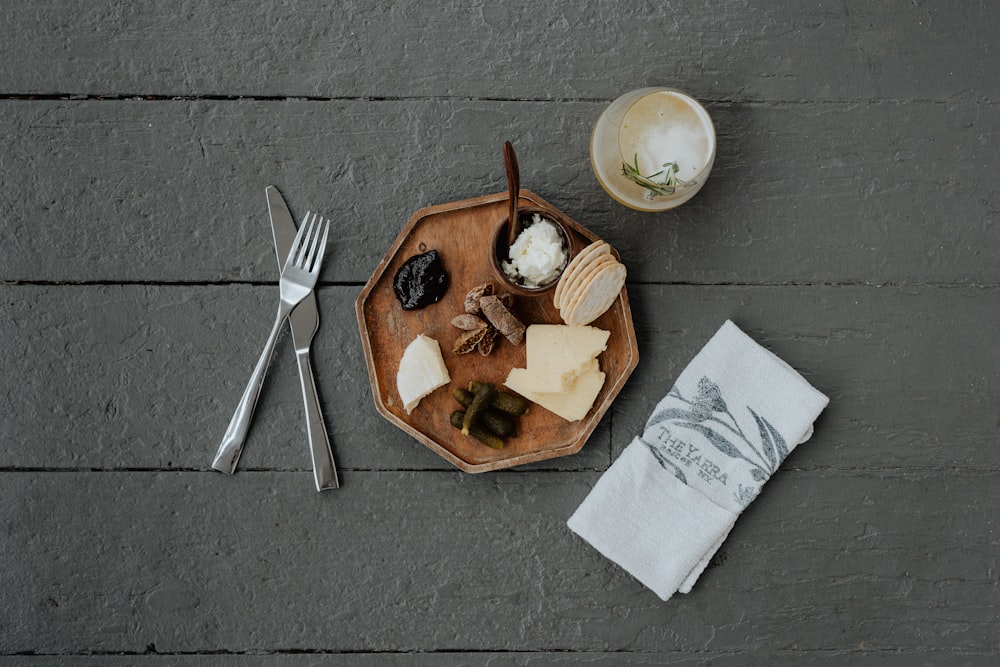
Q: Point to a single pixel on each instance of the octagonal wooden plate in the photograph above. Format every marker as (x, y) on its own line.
(460, 232)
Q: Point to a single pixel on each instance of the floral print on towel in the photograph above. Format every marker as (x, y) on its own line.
(746, 462)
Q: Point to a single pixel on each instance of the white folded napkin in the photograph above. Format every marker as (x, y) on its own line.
(668, 502)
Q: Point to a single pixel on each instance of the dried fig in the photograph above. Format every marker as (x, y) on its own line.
(474, 295)
(502, 319)
(467, 341)
(488, 342)
(467, 322)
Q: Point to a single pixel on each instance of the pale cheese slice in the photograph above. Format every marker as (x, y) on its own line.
(573, 404)
(421, 371)
(558, 354)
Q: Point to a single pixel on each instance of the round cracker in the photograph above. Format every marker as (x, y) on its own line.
(575, 289)
(598, 295)
(585, 268)
(570, 271)
(596, 248)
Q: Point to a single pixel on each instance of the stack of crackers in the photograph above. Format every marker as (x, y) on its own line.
(589, 285)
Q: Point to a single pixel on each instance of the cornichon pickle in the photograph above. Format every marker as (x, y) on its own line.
(499, 422)
(476, 431)
(463, 396)
(509, 403)
(481, 401)
(512, 405)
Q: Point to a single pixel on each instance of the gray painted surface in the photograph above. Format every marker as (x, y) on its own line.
(910, 372)
(741, 658)
(809, 192)
(470, 48)
(849, 226)
(418, 561)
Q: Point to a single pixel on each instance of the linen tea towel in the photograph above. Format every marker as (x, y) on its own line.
(668, 502)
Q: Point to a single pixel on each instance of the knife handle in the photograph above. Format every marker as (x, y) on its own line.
(324, 469)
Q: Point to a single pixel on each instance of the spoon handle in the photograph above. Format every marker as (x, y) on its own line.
(514, 190)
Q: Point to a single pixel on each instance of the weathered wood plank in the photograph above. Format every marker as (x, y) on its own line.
(147, 376)
(173, 191)
(911, 372)
(894, 658)
(857, 147)
(111, 562)
(787, 50)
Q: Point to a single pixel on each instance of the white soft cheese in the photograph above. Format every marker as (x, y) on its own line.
(538, 255)
(421, 371)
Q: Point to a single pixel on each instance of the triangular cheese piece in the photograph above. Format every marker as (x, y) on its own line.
(557, 354)
(572, 404)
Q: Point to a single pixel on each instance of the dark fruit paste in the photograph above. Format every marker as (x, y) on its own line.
(420, 281)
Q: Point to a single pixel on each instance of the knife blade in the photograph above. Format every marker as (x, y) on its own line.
(305, 317)
(304, 322)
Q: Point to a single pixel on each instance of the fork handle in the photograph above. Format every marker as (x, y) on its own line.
(232, 442)
(324, 469)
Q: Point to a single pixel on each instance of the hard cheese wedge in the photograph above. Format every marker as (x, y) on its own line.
(562, 373)
(558, 354)
(421, 371)
(572, 404)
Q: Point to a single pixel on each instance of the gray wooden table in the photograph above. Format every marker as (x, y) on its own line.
(850, 225)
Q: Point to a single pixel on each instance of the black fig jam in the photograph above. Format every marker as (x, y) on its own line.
(420, 281)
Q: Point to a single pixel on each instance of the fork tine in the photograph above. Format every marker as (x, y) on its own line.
(320, 250)
(308, 263)
(314, 223)
(302, 234)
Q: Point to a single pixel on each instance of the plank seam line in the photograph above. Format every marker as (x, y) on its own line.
(815, 283)
(975, 471)
(181, 470)
(635, 283)
(152, 652)
(164, 283)
(721, 101)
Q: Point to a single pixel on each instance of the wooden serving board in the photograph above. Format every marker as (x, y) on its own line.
(460, 232)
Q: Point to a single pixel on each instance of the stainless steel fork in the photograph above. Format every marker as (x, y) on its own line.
(298, 278)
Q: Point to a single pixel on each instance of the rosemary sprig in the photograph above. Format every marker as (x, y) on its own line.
(666, 185)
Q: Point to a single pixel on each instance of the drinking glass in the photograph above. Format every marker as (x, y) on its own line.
(653, 148)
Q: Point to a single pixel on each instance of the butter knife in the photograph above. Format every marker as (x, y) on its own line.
(304, 321)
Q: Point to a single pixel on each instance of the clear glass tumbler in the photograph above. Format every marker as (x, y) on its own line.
(653, 148)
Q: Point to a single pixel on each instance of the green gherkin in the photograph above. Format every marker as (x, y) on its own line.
(481, 401)
(476, 431)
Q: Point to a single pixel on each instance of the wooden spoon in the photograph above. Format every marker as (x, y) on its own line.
(514, 190)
